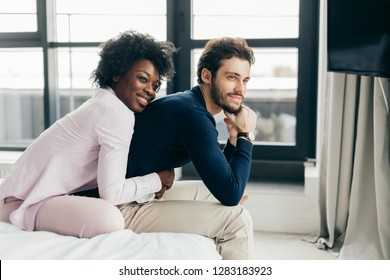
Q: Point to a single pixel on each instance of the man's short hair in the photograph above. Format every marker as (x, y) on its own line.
(223, 48)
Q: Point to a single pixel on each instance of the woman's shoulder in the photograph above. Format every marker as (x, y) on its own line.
(109, 102)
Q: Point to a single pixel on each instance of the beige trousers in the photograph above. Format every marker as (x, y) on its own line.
(190, 208)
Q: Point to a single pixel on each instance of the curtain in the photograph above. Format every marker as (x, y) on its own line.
(354, 168)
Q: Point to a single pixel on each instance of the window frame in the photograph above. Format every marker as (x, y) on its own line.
(281, 162)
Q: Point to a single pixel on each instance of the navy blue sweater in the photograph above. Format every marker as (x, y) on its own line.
(176, 129)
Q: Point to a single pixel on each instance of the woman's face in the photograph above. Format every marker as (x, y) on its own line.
(137, 87)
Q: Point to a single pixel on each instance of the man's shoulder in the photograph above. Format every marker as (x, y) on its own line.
(186, 100)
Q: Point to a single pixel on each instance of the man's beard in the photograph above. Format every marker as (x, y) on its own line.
(218, 98)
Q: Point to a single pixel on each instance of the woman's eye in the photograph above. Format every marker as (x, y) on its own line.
(156, 86)
(142, 79)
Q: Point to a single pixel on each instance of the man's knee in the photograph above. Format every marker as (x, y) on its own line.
(246, 217)
(244, 221)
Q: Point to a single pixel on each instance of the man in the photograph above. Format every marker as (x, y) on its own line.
(179, 128)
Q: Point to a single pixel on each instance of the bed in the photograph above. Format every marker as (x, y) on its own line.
(16, 244)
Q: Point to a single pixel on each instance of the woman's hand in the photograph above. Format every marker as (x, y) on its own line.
(167, 178)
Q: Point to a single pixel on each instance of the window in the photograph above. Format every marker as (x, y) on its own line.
(61, 39)
(18, 16)
(249, 19)
(99, 20)
(21, 86)
(82, 25)
(21, 96)
(283, 85)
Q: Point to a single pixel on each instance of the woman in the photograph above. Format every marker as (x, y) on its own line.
(88, 148)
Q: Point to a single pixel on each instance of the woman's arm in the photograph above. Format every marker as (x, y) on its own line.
(114, 131)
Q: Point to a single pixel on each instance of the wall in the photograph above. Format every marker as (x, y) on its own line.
(291, 208)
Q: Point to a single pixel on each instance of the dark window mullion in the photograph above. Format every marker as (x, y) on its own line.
(45, 28)
(181, 26)
(308, 63)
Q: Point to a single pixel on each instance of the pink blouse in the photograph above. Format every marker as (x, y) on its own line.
(85, 149)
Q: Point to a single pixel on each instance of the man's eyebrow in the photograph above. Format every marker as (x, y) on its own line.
(232, 73)
(236, 74)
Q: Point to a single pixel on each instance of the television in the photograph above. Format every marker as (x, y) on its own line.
(359, 37)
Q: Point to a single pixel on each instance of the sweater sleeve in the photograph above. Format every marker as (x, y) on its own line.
(225, 175)
(228, 150)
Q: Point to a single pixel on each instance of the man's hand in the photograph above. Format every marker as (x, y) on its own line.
(232, 131)
(167, 178)
(243, 121)
(244, 198)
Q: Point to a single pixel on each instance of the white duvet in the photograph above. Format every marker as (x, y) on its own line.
(16, 244)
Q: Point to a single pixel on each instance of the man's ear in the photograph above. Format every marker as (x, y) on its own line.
(206, 76)
(115, 78)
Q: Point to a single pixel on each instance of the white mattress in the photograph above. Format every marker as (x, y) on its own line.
(16, 244)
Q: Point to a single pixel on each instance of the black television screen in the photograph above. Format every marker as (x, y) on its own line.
(359, 37)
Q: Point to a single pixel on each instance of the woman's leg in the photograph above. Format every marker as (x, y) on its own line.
(78, 216)
(7, 206)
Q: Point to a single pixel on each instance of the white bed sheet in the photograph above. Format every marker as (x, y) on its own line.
(16, 244)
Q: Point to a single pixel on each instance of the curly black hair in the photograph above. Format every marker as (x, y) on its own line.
(120, 53)
(223, 48)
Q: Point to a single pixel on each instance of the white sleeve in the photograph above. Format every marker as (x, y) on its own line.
(114, 131)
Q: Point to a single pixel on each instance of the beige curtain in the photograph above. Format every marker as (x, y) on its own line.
(354, 168)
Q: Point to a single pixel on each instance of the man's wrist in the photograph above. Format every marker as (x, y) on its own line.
(250, 136)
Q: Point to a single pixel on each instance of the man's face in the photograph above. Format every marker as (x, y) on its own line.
(228, 86)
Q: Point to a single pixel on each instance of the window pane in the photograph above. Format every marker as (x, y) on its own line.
(18, 16)
(18, 23)
(95, 21)
(21, 96)
(250, 19)
(75, 66)
(271, 93)
(119, 7)
(16, 71)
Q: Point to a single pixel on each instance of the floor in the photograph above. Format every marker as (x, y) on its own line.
(285, 246)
